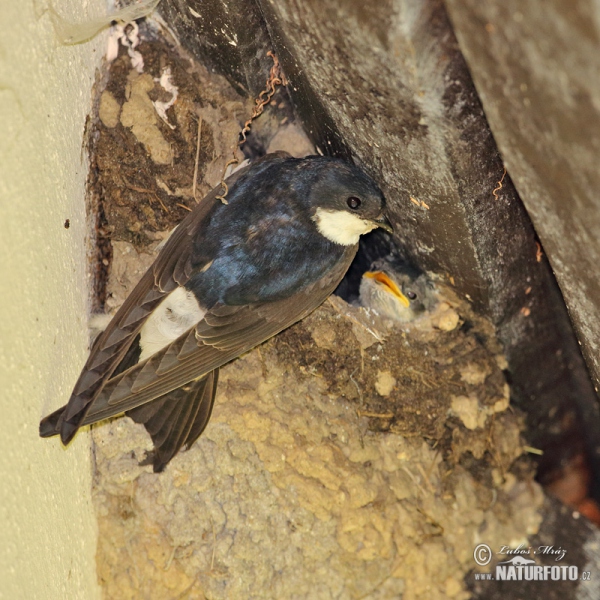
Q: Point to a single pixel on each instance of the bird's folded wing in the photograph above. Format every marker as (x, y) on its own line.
(224, 333)
(177, 418)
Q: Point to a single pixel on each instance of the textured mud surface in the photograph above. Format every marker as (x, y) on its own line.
(345, 458)
(291, 494)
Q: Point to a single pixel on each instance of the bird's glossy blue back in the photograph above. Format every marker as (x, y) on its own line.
(263, 244)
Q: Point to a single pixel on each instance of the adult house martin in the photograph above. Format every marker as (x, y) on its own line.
(230, 277)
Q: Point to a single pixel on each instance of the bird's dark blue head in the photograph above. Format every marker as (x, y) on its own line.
(344, 202)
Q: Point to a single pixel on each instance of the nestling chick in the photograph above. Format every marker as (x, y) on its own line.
(396, 294)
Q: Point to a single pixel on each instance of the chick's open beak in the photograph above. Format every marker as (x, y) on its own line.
(383, 222)
(383, 279)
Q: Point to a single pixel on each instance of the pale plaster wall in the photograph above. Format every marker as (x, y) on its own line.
(47, 526)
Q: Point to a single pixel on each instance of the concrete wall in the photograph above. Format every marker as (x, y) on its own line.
(47, 526)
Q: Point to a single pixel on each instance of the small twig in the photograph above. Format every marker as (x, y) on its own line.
(214, 549)
(425, 478)
(275, 78)
(413, 479)
(490, 435)
(374, 415)
(195, 184)
(356, 385)
(437, 452)
(161, 202)
(136, 188)
(141, 190)
(170, 561)
(499, 186)
(183, 206)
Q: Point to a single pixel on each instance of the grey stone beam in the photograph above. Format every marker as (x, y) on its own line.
(537, 70)
(386, 85)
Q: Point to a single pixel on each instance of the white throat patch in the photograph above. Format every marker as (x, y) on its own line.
(341, 227)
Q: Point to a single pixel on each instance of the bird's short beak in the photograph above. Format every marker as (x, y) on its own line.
(384, 223)
(382, 278)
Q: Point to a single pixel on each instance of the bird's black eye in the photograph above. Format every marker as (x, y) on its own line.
(411, 295)
(353, 202)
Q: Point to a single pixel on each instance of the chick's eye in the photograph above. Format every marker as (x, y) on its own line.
(411, 295)
(353, 202)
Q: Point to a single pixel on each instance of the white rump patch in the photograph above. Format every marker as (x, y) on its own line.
(341, 227)
(175, 315)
